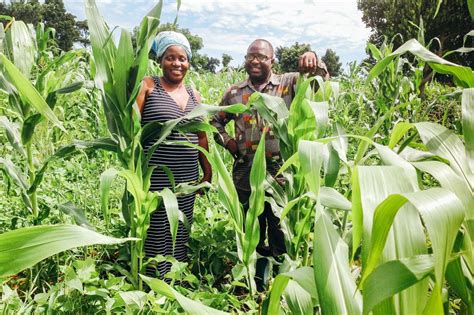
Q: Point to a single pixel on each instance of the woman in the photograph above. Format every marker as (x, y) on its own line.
(161, 99)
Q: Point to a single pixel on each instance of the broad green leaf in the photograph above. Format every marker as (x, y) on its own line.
(103, 47)
(333, 199)
(337, 290)
(448, 179)
(228, 197)
(136, 299)
(460, 281)
(12, 134)
(28, 129)
(186, 188)
(106, 179)
(22, 47)
(28, 91)
(341, 144)
(398, 132)
(258, 173)
(25, 247)
(123, 62)
(470, 5)
(67, 150)
(15, 175)
(393, 277)
(464, 76)
(304, 276)
(172, 212)
(299, 301)
(75, 212)
(444, 143)
(190, 306)
(311, 160)
(321, 114)
(372, 185)
(442, 213)
(468, 124)
(134, 185)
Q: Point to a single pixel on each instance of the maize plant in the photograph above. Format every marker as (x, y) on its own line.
(32, 104)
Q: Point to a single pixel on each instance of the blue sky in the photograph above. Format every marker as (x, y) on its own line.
(229, 26)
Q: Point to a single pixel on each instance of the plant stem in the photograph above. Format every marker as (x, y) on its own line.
(306, 251)
(249, 280)
(31, 174)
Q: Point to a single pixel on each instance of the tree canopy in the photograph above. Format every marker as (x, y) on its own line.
(331, 59)
(288, 57)
(449, 26)
(53, 14)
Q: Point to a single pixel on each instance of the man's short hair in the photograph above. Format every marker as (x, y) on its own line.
(266, 42)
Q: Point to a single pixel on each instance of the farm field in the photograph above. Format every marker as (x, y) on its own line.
(377, 205)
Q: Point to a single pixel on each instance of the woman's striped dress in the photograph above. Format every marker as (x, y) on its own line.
(183, 162)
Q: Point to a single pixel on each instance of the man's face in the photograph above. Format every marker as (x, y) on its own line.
(258, 62)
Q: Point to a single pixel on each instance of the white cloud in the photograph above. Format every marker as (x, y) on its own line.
(229, 26)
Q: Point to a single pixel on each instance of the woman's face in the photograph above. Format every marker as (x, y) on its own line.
(174, 64)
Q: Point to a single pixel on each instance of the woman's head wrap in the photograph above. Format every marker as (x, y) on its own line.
(167, 39)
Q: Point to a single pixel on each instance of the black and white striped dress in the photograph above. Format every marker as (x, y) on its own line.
(183, 163)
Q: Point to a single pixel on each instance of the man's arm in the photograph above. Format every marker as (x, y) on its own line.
(219, 121)
(309, 63)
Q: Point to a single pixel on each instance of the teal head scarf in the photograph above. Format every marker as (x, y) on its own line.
(167, 39)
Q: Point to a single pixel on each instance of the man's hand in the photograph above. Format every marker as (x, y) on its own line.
(308, 62)
(232, 147)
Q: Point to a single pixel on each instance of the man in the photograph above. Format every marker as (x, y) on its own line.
(258, 64)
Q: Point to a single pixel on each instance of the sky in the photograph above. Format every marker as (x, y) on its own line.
(229, 26)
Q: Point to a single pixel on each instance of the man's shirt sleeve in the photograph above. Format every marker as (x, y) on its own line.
(220, 120)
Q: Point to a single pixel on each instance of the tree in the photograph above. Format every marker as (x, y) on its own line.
(388, 18)
(331, 59)
(288, 57)
(55, 15)
(226, 59)
(27, 11)
(83, 29)
(52, 13)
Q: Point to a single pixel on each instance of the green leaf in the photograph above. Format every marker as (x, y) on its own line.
(470, 5)
(398, 132)
(446, 144)
(12, 134)
(67, 150)
(25, 247)
(311, 160)
(172, 212)
(393, 277)
(69, 88)
(106, 179)
(337, 290)
(442, 213)
(299, 301)
(28, 91)
(28, 129)
(304, 276)
(371, 186)
(468, 124)
(258, 173)
(15, 175)
(22, 49)
(189, 306)
(75, 212)
(333, 199)
(464, 76)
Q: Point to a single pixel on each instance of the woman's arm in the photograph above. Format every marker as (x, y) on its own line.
(202, 141)
(205, 165)
(145, 89)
